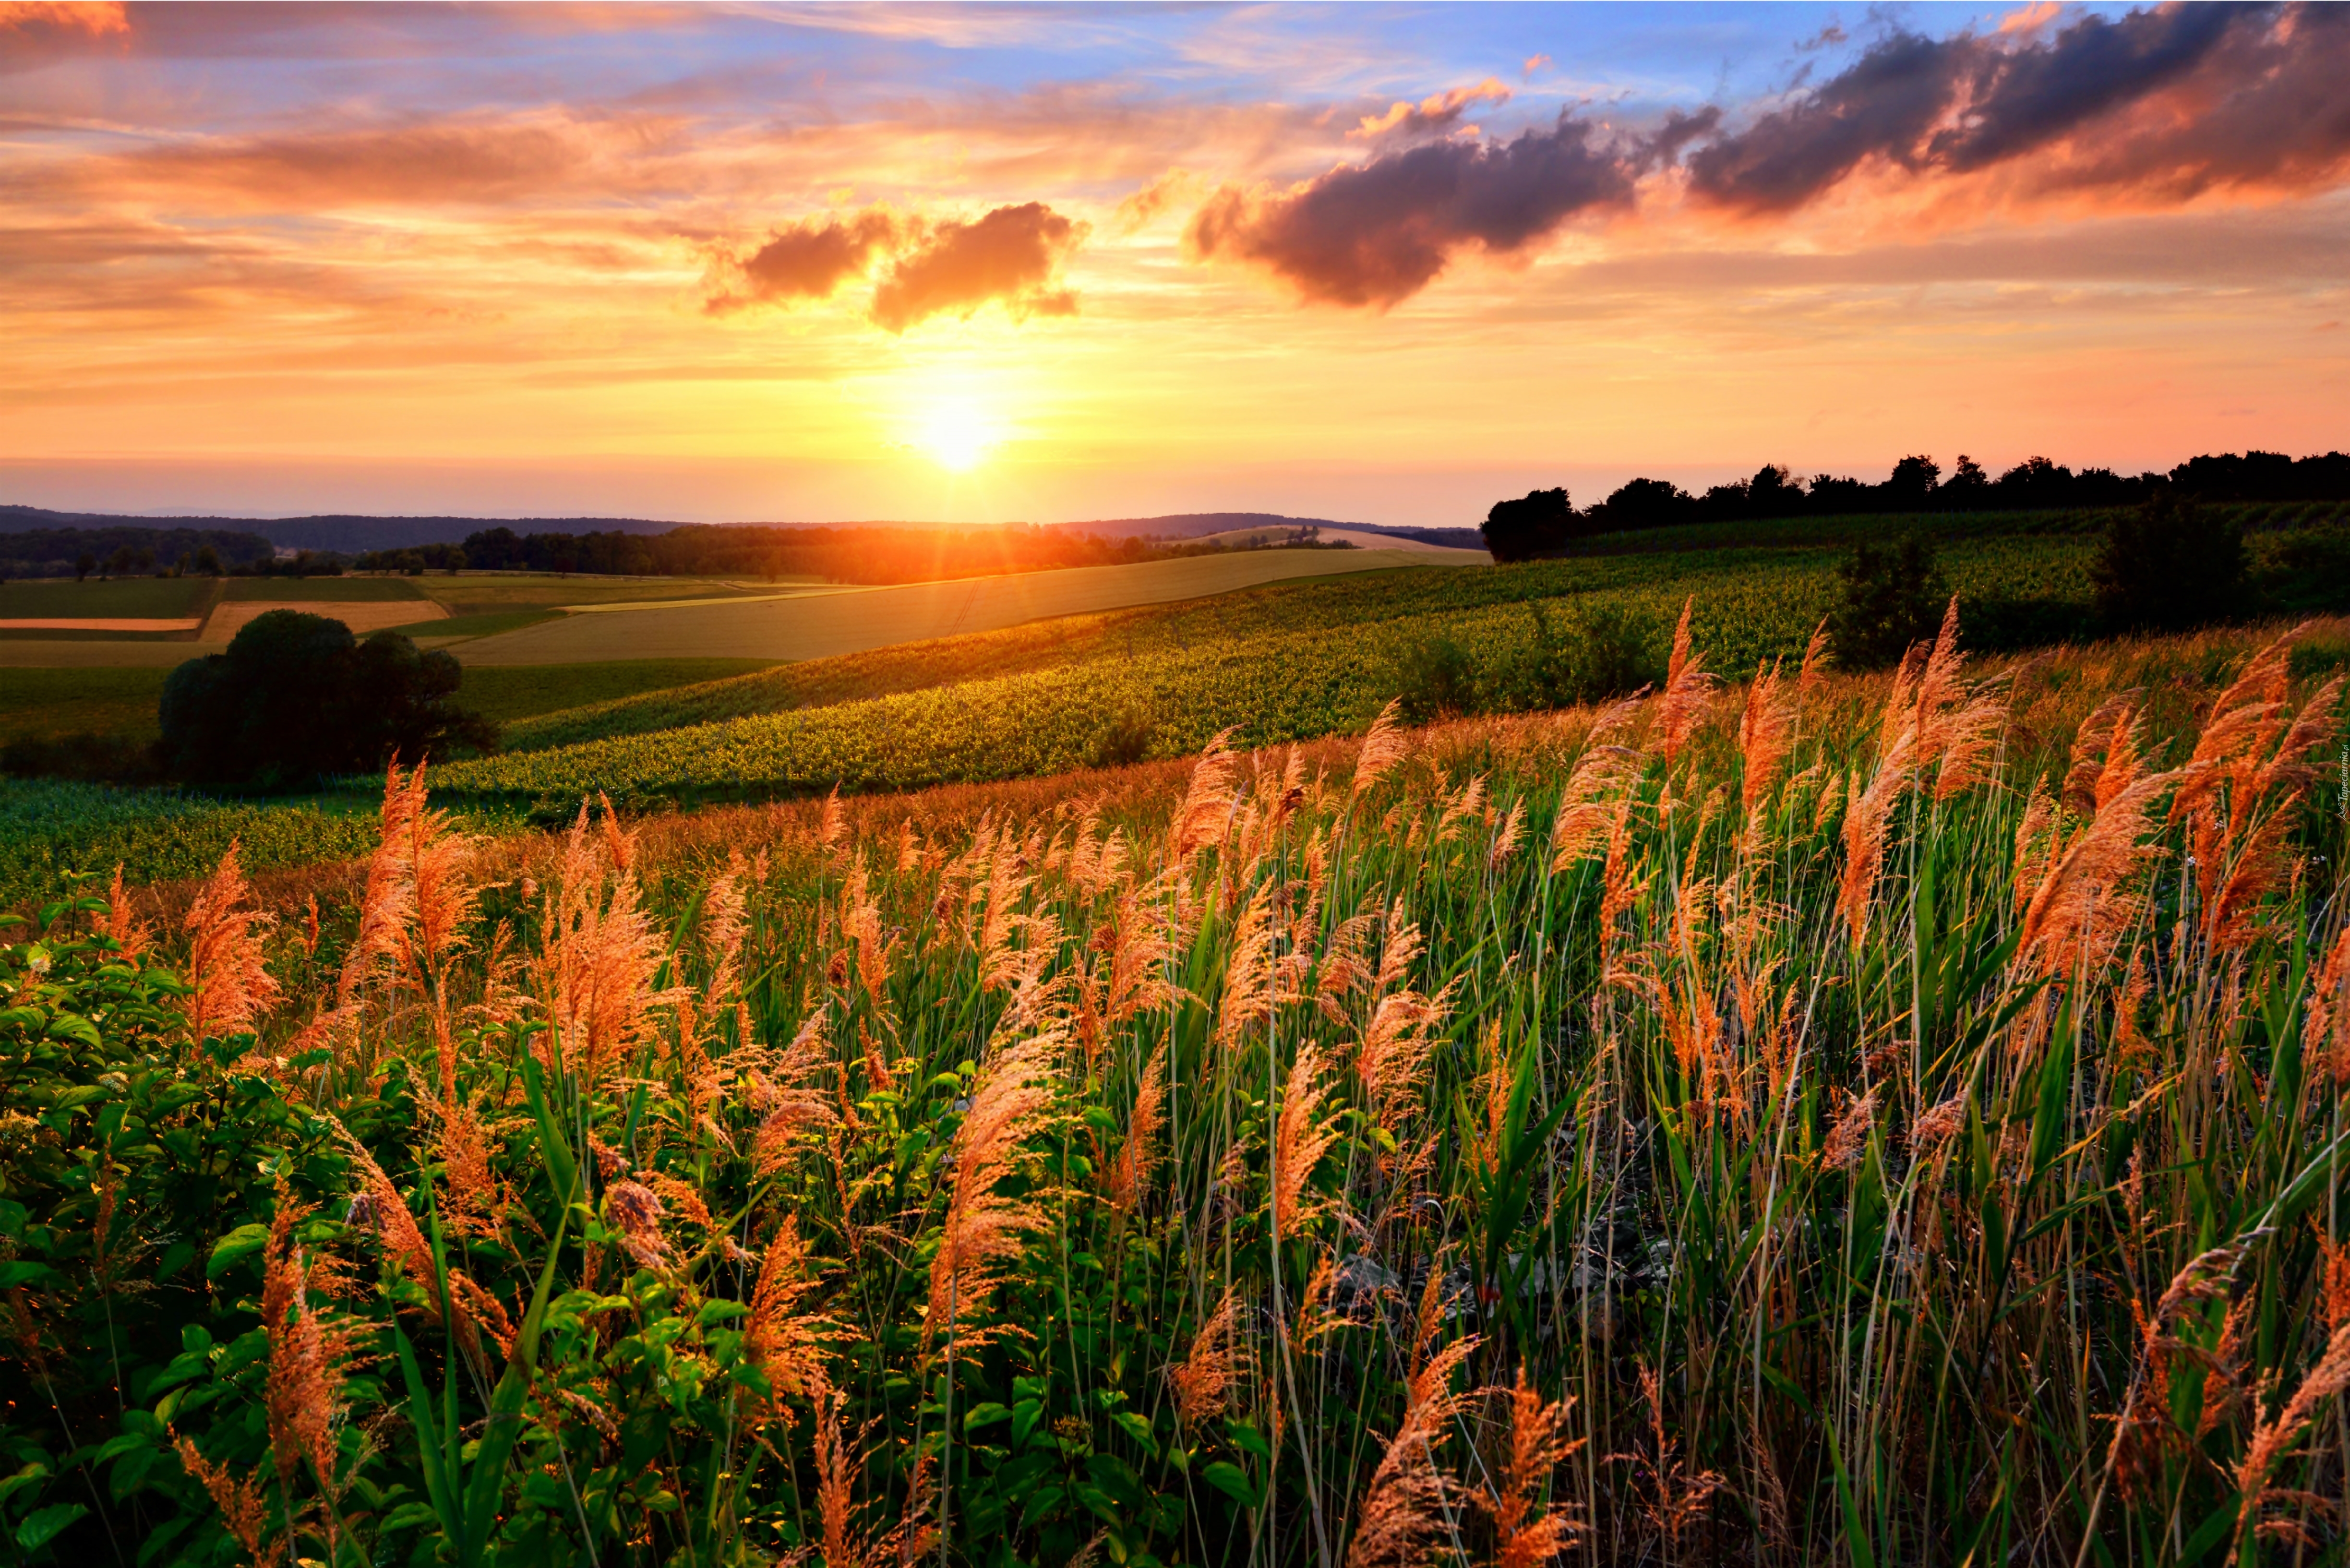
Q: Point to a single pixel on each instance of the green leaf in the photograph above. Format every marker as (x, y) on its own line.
(1230, 1479)
(1025, 1417)
(23, 1271)
(43, 1527)
(987, 1414)
(239, 1243)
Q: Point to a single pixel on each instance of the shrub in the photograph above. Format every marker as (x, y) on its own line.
(2169, 565)
(1125, 737)
(1892, 597)
(296, 698)
(1522, 530)
(1439, 679)
(1595, 653)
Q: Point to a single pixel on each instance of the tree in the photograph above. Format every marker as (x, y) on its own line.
(1644, 503)
(1911, 484)
(1517, 530)
(84, 564)
(118, 564)
(208, 561)
(2169, 565)
(1773, 492)
(1967, 486)
(1893, 597)
(296, 697)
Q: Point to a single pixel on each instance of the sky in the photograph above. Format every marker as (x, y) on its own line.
(988, 262)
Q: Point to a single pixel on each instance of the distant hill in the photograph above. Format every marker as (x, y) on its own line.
(33, 545)
(352, 533)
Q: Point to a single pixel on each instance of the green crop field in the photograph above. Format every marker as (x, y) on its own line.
(48, 829)
(818, 625)
(46, 703)
(512, 692)
(479, 593)
(1280, 663)
(122, 598)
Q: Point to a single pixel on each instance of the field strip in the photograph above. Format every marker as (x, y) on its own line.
(40, 653)
(362, 616)
(619, 606)
(818, 626)
(90, 624)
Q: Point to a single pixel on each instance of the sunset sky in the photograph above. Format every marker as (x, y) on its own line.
(985, 263)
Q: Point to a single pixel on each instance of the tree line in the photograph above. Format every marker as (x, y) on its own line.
(1547, 520)
(865, 553)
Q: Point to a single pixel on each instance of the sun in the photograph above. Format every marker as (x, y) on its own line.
(959, 435)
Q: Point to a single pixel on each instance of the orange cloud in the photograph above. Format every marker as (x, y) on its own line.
(99, 18)
(1013, 256)
(1440, 112)
(809, 260)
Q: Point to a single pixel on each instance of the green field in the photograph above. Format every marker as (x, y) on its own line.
(1281, 663)
(46, 703)
(512, 692)
(476, 593)
(123, 599)
(457, 628)
(327, 590)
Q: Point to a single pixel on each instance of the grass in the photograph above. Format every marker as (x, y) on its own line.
(122, 598)
(1851, 1122)
(44, 703)
(323, 590)
(512, 692)
(459, 628)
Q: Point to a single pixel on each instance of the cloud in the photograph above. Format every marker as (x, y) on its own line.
(1433, 115)
(1012, 255)
(808, 260)
(1378, 233)
(2168, 102)
(1535, 63)
(96, 17)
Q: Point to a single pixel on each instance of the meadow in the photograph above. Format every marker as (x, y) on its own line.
(1826, 1118)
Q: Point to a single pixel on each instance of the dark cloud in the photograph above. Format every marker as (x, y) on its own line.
(808, 260)
(2173, 100)
(1012, 255)
(1378, 233)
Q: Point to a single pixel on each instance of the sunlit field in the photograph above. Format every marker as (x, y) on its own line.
(1894, 1117)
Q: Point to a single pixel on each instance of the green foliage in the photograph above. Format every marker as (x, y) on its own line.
(297, 698)
(1435, 678)
(2169, 564)
(1596, 651)
(1892, 597)
(1125, 738)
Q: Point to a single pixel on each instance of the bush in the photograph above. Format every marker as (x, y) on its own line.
(2167, 566)
(1439, 681)
(1125, 738)
(296, 698)
(1524, 529)
(1597, 652)
(1893, 597)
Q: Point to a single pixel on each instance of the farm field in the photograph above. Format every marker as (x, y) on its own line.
(122, 598)
(1281, 663)
(848, 621)
(1808, 1115)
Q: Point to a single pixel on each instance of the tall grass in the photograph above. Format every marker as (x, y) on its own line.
(1836, 1119)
